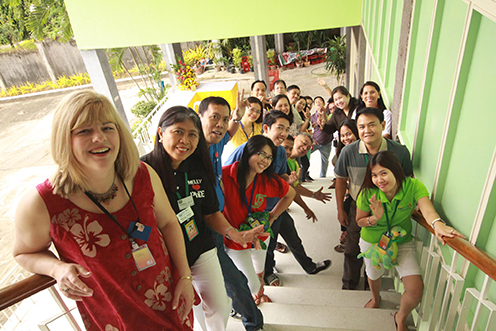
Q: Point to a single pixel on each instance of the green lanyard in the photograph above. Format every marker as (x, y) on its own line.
(387, 216)
(185, 185)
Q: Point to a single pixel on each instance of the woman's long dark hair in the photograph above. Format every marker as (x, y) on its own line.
(279, 97)
(380, 102)
(160, 160)
(350, 124)
(385, 159)
(252, 147)
(353, 101)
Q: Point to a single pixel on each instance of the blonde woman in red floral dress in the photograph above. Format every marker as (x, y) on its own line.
(121, 252)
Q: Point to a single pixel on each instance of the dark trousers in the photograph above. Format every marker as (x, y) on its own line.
(352, 265)
(284, 225)
(237, 288)
(305, 165)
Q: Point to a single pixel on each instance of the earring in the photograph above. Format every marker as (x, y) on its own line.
(160, 140)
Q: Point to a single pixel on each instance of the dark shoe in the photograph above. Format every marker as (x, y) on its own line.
(320, 266)
(308, 178)
(234, 314)
(281, 248)
(272, 280)
(339, 248)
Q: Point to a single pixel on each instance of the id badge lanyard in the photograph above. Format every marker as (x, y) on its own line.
(143, 258)
(386, 236)
(252, 130)
(248, 206)
(186, 214)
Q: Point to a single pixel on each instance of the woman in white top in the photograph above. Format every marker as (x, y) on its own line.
(370, 96)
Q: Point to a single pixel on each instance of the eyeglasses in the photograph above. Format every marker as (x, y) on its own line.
(265, 156)
(254, 110)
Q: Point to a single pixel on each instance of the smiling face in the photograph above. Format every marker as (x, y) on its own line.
(288, 147)
(260, 161)
(301, 105)
(259, 90)
(370, 129)
(180, 141)
(302, 145)
(341, 101)
(370, 96)
(384, 179)
(319, 105)
(293, 95)
(346, 135)
(279, 89)
(96, 146)
(278, 131)
(283, 105)
(215, 121)
(309, 103)
(253, 112)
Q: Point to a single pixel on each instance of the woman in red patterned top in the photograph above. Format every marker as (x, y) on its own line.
(250, 182)
(121, 251)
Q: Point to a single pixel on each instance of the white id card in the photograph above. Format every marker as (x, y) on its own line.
(185, 202)
(185, 215)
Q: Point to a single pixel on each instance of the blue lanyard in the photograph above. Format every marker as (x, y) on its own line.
(386, 212)
(252, 130)
(248, 206)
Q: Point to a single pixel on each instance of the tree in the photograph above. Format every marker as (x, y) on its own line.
(336, 57)
(49, 19)
(12, 21)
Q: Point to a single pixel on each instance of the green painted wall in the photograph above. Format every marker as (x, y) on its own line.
(470, 143)
(120, 23)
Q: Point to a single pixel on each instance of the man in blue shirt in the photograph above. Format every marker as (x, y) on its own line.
(216, 122)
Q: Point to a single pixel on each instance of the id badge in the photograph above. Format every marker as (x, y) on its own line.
(384, 242)
(143, 257)
(185, 215)
(191, 229)
(139, 231)
(185, 202)
(253, 222)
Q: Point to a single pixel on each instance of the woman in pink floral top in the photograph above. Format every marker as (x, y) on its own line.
(121, 252)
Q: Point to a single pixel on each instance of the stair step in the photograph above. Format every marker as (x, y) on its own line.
(324, 281)
(326, 297)
(327, 317)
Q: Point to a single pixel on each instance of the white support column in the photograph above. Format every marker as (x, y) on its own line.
(259, 52)
(170, 59)
(279, 41)
(98, 68)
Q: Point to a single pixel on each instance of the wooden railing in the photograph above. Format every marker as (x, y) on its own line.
(474, 255)
(23, 289)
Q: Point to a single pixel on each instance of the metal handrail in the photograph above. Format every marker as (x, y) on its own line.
(473, 254)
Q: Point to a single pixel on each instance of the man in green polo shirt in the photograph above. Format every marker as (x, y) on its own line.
(351, 166)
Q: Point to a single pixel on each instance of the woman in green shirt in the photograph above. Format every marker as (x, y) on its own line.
(387, 199)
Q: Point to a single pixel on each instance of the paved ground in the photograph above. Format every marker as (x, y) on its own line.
(25, 140)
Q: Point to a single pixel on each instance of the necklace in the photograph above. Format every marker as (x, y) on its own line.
(107, 196)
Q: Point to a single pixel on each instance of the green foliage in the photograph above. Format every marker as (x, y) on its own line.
(49, 19)
(237, 54)
(12, 21)
(336, 56)
(192, 57)
(148, 62)
(142, 108)
(62, 82)
(271, 57)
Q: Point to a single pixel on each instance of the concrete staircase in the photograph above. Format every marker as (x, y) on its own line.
(316, 302)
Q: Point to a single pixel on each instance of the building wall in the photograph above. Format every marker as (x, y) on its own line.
(445, 110)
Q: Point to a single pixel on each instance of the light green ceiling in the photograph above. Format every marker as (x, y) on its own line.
(119, 23)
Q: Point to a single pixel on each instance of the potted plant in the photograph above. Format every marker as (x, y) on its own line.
(271, 59)
(237, 55)
(250, 61)
(299, 59)
(336, 57)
